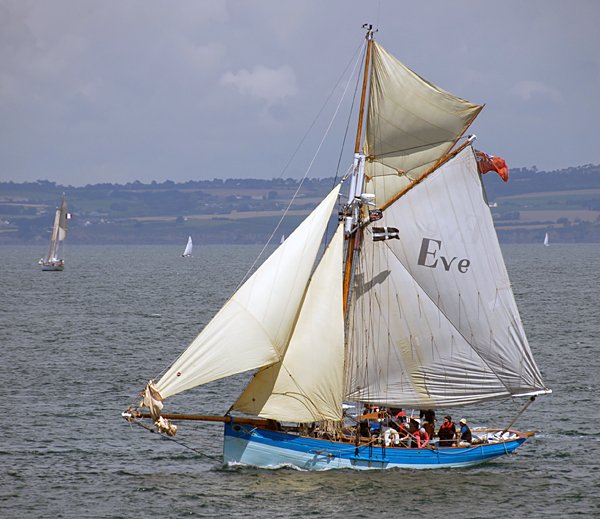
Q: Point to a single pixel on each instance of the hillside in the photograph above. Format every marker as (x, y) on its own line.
(565, 203)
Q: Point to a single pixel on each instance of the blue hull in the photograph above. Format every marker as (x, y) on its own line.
(249, 445)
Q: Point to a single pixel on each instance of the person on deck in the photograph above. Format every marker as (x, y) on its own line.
(398, 415)
(447, 432)
(466, 438)
(413, 425)
(417, 434)
(403, 434)
(428, 421)
(375, 423)
(421, 438)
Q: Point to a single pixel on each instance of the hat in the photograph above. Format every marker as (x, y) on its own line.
(462, 420)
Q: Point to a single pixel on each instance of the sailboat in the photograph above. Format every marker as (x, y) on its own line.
(53, 261)
(188, 248)
(409, 306)
(546, 243)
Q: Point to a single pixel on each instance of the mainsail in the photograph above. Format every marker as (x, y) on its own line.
(59, 230)
(435, 323)
(254, 327)
(188, 247)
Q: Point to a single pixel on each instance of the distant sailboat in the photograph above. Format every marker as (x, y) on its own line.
(188, 248)
(546, 240)
(409, 307)
(52, 262)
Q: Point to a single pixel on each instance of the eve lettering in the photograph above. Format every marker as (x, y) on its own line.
(429, 256)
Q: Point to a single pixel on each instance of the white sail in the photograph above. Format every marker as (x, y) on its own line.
(188, 247)
(63, 220)
(434, 322)
(254, 326)
(411, 124)
(307, 384)
(54, 240)
(59, 231)
(546, 243)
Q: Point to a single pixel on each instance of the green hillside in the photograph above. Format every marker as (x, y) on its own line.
(565, 203)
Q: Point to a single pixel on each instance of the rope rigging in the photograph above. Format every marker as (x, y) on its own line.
(179, 442)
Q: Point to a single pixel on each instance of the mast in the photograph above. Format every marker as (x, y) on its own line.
(352, 209)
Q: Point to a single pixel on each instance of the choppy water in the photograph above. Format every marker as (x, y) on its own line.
(77, 346)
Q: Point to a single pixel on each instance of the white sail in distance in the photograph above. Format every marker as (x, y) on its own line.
(253, 328)
(59, 230)
(188, 247)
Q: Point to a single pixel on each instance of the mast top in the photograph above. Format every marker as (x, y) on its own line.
(369, 28)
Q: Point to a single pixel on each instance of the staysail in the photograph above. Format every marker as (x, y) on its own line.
(295, 389)
(411, 124)
(435, 323)
(253, 328)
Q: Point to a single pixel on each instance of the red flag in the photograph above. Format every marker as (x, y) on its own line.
(487, 163)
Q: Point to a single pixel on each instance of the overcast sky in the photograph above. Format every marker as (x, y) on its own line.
(117, 91)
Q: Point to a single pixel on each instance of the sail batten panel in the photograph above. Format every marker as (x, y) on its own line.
(293, 389)
(411, 123)
(253, 327)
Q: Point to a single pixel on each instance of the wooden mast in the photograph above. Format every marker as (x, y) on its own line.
(353, 241)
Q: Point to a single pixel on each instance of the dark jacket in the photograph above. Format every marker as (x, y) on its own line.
(465, 433)
(447, 433)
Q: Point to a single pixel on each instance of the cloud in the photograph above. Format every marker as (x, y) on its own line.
(270, 85)
(151, 90)
(530, 90)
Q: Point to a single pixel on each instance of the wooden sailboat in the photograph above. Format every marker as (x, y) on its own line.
(53, 261)
(410, 305)
(187, 252)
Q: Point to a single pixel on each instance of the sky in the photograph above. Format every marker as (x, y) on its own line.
(152, 90)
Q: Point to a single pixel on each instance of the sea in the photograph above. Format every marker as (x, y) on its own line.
(77, 347)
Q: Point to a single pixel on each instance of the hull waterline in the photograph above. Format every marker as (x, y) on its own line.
(258, 447)
(52, 267)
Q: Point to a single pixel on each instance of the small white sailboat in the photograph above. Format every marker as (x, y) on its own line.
(53, 261)
(546, 243)
(410, 306)
(188, 248)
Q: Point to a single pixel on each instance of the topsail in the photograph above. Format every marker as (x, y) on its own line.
(411, 124)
